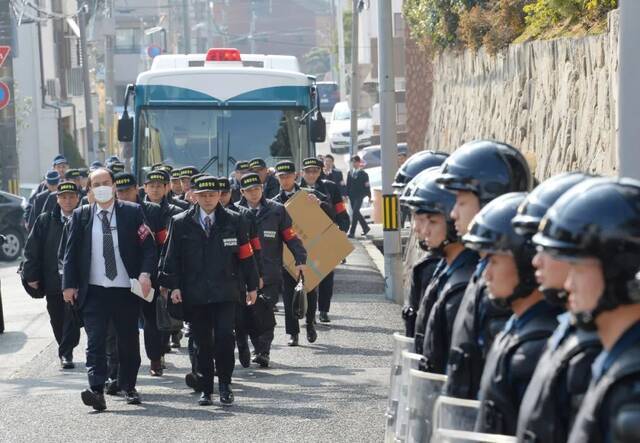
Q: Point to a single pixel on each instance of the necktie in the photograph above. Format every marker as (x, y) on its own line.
(254, 211)
(107, 247)
(207, 224)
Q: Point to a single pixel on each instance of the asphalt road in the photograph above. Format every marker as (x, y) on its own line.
(334, 390)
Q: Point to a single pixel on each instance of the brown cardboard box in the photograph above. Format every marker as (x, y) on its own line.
(326, 245)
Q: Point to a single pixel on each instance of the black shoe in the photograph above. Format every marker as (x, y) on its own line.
(175, 340)
(293, 340)
(132, 397)
(226, 394)
(205, 400)
(155, 368)
(66, 363)
(193, 381)
(324, 317)
(262, 359)
(244, 355)
(112, 387)
(312, 335)
(93, 399)
(351, 236)
(364, 233)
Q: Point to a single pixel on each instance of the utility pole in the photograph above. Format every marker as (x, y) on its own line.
(389, 154)
(8, 148)
(341, 60)
(355, 83)
(83, 17)
(186, 32)
(629, 90)
(252, 30)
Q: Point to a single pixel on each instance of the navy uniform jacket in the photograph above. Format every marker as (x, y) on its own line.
(136, 246)
(336, 176)
(45, 201)
(271, 187)
(358, 185)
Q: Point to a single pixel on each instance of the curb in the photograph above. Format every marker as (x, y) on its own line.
(376, 256)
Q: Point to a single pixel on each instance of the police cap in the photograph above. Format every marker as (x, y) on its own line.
(225, 184)
(125, 180)
(116, 167)
(312, 162)
(68, 187)
(159, 175)
(72, 174)
(285, 167)
(175, 174)
(206, 183)
(84, 172)
(250, 181)
(188, 171)
(242, 165)
(53, 177)
(257, 163)
(195, 177)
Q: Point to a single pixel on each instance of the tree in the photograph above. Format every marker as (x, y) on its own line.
(317, 61)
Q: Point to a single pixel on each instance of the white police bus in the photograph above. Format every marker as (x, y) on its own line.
(211, 110)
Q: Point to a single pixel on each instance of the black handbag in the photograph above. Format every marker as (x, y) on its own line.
(300, 302)
(164, 319)
(260, 317)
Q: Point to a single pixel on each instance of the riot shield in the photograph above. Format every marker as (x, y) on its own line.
(409, 361)
(400, 343)
(424, 389)
(455, 436)
(455, 413)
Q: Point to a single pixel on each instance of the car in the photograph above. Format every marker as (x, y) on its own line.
(340, 129)
(11, 226)
(329, 95)
(370, 155)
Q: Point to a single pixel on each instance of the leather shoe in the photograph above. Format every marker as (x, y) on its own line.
(175, 340)
(66, 363)
(155, 368)
(226, 394)
(112, 387)
(293, 340)
(93, 399)
(324, 317)
(132, 397)
(205, 400)
(193, 381)
(312, 335)
(244, 355)
(262, 359)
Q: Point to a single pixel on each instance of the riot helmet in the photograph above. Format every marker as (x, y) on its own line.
(599, 218)
(487, 168)
(492, 232)
(415, 164)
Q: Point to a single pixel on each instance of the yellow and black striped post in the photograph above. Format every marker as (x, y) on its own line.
(390, 218)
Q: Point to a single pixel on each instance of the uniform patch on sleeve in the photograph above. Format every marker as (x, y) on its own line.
(269, 234)
(230, 241)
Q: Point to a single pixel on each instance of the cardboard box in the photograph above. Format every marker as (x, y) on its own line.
(326, 245)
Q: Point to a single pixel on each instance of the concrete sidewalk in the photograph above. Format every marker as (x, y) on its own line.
(333, 390)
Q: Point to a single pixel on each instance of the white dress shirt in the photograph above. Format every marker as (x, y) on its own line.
(204, 216)
(97, 271)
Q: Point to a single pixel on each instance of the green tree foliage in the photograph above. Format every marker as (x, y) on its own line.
(317, 61)
(71, 153)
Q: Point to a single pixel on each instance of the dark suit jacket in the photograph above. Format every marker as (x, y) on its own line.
(138, 254)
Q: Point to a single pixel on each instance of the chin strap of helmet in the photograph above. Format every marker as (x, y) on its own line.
(452, 237)
(526, 277)
(555, 297)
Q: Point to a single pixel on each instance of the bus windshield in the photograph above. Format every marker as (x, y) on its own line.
(218, 137)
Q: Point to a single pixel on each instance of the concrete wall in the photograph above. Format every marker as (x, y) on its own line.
(555, 100)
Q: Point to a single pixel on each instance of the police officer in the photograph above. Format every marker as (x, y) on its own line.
(432, 207)
(511, 283)
(186, 174)
(358, 188)
(477, 172)
(274, 227)
(269, 182)
(116, 167)
(594, 227)
(243, 318)
(208, 257)
(311, 170)
(42, 201)
(176, 186)
(330, 172)
(562, 375)
(242, 168)
(127, 190)
(286, 174)
(41, 269)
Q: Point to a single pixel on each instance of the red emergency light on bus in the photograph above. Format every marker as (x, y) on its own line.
(223, 55)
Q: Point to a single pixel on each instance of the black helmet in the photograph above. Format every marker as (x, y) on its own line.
(429, 198)
(599, 218)
(486, 168)
(407, 191)
(491, 231)
(415, 164)
(535, 206)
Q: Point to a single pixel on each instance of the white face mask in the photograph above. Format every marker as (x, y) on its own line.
(103, 194)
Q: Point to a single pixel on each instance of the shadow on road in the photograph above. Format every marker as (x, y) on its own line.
(12, 341)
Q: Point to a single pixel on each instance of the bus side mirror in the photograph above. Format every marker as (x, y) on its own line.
(125, 128)
(318, 128)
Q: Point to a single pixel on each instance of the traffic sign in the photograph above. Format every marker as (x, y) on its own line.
(4, 95)
(153, 51)
(4, 53)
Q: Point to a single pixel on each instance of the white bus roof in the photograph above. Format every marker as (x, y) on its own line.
(183, 61)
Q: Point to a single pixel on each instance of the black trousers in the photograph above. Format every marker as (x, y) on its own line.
(121, 307)
(291, 325)
(209, 321)
(325, 293)
(154, 340)
(65, 327)
(357, 217)
(261, 343)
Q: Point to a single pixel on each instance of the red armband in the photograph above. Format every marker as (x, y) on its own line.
(245, 251)
(340, 207)
(255, 244)
(161, 236)
(288, 234)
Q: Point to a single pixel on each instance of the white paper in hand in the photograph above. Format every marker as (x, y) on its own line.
(136, 288)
